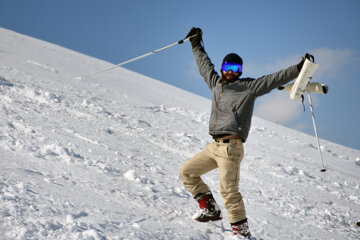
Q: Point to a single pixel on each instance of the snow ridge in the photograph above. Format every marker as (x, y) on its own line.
(98, 158)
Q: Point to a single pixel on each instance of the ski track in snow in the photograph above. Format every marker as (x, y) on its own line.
(80, 160)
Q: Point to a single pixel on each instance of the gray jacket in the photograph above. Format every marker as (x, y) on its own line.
(233, 103)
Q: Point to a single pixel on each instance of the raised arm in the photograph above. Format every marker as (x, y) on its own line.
(206, 68)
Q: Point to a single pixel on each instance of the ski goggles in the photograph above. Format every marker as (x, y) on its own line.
(235, 67)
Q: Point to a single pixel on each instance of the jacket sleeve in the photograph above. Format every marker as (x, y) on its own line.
(206, 68)
(265, 84)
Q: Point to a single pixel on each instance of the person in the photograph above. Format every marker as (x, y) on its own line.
(229, 125)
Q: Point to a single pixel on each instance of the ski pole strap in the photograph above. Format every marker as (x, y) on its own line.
(310, 57)
(302, 100)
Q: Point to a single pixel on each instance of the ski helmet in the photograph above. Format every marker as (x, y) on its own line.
(232, 58)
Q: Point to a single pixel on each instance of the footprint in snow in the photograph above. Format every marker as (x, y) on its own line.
(4, 82)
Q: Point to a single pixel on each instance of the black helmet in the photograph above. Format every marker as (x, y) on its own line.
(233, 58)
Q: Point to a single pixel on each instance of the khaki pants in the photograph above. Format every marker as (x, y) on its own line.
(227, 157)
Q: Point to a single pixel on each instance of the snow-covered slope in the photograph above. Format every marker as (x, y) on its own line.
(98, 158)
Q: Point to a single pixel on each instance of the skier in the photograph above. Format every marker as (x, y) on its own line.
(229, 125)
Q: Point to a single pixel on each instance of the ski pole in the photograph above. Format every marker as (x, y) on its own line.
(315, 129)
(137, 58)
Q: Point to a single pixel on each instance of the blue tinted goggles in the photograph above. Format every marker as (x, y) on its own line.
(235, 67)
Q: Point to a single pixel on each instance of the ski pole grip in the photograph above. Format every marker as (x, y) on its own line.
(186, 39)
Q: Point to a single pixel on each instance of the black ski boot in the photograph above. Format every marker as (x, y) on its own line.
(241, 229)
(209, 210)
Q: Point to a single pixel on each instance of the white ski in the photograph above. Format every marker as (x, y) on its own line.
(302, 80)
(313, 87)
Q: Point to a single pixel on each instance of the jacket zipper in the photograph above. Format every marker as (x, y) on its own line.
(236, 119)
(217, 107)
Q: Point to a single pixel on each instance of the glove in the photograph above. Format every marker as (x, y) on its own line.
(196, 40)
(301, 63)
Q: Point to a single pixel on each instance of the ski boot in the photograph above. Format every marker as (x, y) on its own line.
(209, 210)
(241, 229)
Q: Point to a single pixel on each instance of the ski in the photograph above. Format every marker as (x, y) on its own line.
(302, 80)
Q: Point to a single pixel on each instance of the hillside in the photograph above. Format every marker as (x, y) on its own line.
(98, 158)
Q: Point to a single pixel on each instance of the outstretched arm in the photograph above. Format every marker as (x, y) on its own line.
(265, 84)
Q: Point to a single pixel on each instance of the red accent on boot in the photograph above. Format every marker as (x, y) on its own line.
(241, 228)
(203, 201)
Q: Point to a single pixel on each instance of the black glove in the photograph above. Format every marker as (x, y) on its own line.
(306, 56)
(196, 40)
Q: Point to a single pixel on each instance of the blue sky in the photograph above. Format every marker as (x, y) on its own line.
(268, 35)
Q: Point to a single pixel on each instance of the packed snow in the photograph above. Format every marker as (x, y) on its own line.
(98, 158)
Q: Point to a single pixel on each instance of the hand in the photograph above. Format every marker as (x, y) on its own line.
(301, 63)
(196, 40)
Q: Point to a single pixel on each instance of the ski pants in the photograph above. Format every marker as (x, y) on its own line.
(227, 157)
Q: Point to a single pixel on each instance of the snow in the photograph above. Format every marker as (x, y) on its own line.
(98, 158)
